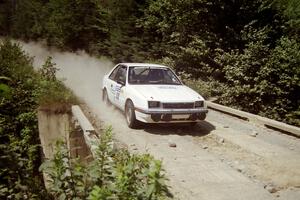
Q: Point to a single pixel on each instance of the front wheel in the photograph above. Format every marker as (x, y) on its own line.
(202, 116)
(130, 115)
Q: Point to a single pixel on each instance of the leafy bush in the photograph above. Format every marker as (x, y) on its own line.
(23, 90)
(51, 92)
(113, 174)
(5, 90)
(263, 80)
(19, 151)
(209, 88)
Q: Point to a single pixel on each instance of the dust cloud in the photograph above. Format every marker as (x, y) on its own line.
(81, 73)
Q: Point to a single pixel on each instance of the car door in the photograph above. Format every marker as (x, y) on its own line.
(116, 82)
(111, 85)
(120, 86)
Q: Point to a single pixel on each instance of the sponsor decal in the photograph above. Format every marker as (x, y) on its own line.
(117, 92)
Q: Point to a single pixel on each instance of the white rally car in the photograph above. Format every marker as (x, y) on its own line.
(151, 93)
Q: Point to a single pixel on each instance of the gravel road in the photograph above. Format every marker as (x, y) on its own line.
(221, 158)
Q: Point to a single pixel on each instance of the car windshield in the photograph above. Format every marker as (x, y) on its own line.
(152, 75)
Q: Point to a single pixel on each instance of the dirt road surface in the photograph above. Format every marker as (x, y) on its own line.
(222, 158)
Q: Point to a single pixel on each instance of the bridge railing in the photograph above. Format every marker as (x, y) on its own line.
(292, 130)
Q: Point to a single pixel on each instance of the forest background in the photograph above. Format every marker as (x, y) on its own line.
(245, 53)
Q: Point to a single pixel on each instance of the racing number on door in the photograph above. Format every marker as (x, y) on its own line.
(118, 77)
(120, 82)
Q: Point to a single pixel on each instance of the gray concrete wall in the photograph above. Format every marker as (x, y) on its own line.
(52, 127)
(56, 126)
(77, 145)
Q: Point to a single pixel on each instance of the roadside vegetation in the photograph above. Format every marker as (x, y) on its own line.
(245, 53)
(22, 90)
(113, 174)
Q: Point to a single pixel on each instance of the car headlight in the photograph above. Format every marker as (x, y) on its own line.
(153, 104)
(199, 104)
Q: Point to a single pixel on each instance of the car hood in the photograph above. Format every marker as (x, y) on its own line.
(168, 93)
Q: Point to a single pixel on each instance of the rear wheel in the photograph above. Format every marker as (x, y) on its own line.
(105, 98)
(130, 115)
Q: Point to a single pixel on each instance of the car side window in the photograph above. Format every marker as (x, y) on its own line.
(113, 74)
(121, 74)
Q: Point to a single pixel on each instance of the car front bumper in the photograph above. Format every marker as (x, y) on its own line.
(171, 115)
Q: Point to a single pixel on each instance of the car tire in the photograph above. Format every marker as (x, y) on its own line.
(202, 116)
(130, 115)
(105, 98)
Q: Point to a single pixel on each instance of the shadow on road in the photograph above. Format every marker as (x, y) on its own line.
(201, 129)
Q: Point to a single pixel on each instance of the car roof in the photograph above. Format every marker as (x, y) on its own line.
(142, 65)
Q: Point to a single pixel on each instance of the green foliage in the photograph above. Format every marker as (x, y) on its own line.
(123, 42)
(264, 81)
(48, 70)
(5, 90)
(19, 139)
(65, 174)
(196, 59)
(51, 91)
(217, 41)
(208, 89)
(111, 175)
(280, 80)
(19, 151)
(290, 10)
(27, 20)
(74, 24)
